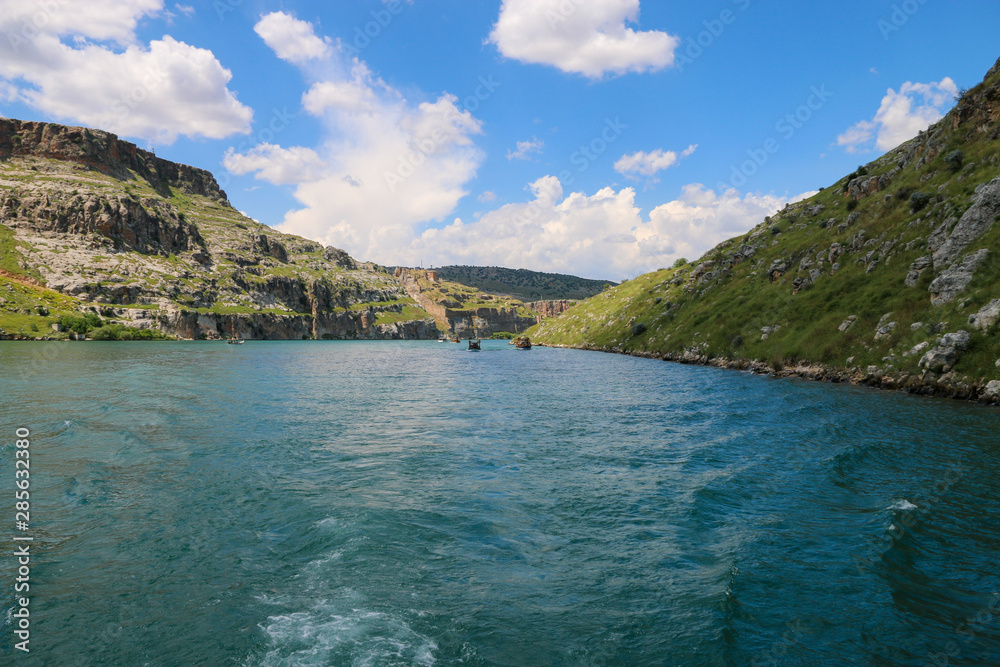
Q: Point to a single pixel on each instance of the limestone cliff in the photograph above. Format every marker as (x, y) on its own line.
(153, 244)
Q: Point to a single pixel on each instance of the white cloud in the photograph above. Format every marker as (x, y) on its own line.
(650, 164)
(589, 37)
(291, 39)
(280, 166)
(187, 10)
(156, 91)
(525, 148)
(386, 164)
(101, 20)
(603, 235)
(345, 95)
(487, 197)
(901, 116)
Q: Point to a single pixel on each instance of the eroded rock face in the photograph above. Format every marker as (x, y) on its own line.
(956, 278)
(340, 258)
(976, 222)
(145, 225)
(548, 309)
(106, 153)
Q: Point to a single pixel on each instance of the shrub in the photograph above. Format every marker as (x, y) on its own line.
(954, 160)
(851, 205)
(638, 329)
(81, 325)
(681, 261)
(918, 201)
(502, 335)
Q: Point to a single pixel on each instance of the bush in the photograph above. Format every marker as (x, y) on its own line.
(851, 205)
(680, 262)
(502, 335)
(918, 201)
(80, 325)
(122, 332)
(638, 329)
(954, 160)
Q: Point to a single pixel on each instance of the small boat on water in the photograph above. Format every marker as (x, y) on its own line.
(522, 343)
(475, 344)
(233, 338)
(456, 339)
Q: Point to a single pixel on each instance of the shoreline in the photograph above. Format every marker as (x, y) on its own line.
(945, 386)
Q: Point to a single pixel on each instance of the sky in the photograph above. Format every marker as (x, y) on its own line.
(600, 138)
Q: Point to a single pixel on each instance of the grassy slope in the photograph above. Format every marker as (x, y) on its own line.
(724, 316)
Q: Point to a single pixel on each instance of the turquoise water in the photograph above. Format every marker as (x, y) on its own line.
(312, 503)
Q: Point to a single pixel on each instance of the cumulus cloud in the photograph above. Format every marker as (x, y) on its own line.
(277, 165)
(157, 91)
(525, 149)
(603, 235)
(345, 95)
(291, 39)
(650, 164)
(901, 116)
(588, 37)
(386, 164)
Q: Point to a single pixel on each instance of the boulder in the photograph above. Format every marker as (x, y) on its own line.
(949, 349)
(987, 316)
(992, 391)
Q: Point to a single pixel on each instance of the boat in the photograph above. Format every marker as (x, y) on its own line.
(475, 344)
(522, 343)
(233, 338)
(456, 339)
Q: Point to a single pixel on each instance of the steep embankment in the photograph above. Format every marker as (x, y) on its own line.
(891, 277)
(465, 311)
(114, 230)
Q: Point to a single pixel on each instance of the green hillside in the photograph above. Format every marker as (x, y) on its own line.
(890, 277)
(523, 284)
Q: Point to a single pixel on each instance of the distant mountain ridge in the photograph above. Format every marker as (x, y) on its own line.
(524, 284)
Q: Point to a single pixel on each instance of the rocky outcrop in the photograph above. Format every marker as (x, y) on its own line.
(144, 225)
(106, 153)
(953, 280)
(987, 316)
(550, 308)
(485, 322)
(338, 257)
(977, 221)
(942, 357)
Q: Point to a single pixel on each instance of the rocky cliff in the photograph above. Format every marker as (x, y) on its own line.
(890, 277)
(464, 311)
(153, 244)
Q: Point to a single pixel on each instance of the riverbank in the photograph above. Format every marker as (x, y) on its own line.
(946, 385)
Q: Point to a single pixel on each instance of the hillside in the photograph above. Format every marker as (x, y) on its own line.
(92, 225)
(523, 284)
(890, 277)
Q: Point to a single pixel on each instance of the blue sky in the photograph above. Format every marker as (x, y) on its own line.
(603, 138)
